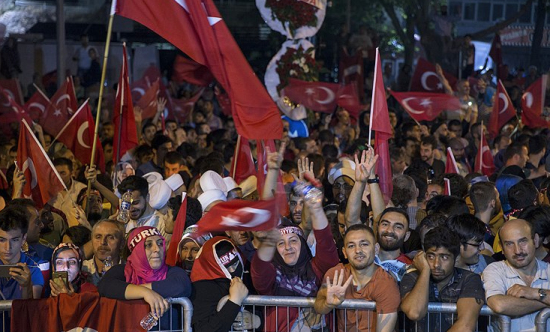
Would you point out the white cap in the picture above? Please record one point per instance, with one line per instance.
(209, 196)
(174, 181)
(159, 191)
(211, 180)
(230, 183)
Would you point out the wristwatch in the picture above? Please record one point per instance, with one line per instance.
(375, 180)
(542, 294)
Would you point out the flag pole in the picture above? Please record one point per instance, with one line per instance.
(101, 86)
(481, 149)
(237, 148)
(119, 137)
(373, 92)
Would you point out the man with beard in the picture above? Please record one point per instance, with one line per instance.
(519, 286)
(96, 204)
(428, 145)
(107, 243)
(457, 146)
(342, 178)
(141, 213)
(369, 282)
(296, 205)
(486, 201)
(436, 279)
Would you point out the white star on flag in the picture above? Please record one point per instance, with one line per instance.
(57, 113)
(212, 20)
(440, 85)
(310, 91)
(426, 102)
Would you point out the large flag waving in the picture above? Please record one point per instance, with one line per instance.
(426, 105)
(62, 107)
(42, 180)
(148, 102)
(425, 78)
(37, 105)
(380, 124)
(532, 103)
(503, 110)
(10, 111)
(484, 162)
(124, 121)
(186, 70)
(196, 28)
(78, 135)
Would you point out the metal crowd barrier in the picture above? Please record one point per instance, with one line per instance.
(178, 318)
(542, 319)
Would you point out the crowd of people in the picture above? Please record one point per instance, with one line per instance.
(484, 240)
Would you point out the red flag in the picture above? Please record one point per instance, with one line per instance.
(124, 114)
(223, 100)
(10, 110)
(380, 123)
(72, 101)
(425, 78)
(318, 96)
(179, 228)
(196, 28)
(37, 105)
(351, 70)
(239, 214)
(503, 110)
(60, 110)
(242, 165)
(184, 107)
(78, 312)
(532, 103)
(148, 102)
(484, 158)
(447, 190)
(186, 70)
(426, 105)
(496, 52)
(349, 100)
(43, 181)
(450, 164)
(13, 88)
(139, 87)
(78, 135)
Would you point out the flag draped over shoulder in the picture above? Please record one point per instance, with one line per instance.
(42, 180)
(380, 124)
(197, 29)
(124, 121)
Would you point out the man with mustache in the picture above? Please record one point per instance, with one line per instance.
(436, 279)
(107, 243)
(519, 286)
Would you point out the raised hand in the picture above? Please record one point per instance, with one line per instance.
(305, 167)
(275, 159)
(336, 292)
(421, 262)
(365, 168)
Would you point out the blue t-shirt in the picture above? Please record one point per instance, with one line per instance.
(11, 288)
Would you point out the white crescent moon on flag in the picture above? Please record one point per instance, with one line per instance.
(41, 107)
(80, 132)
(410, 109)
(10, 95)
(139, 90)
(424, 78)
(485, 148)
(260, 216)
(30, 165)
(63, 97)
(330, 96)
(505, 100)
(528, 99)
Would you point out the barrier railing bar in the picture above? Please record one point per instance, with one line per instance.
(542, 319)
(187, 311)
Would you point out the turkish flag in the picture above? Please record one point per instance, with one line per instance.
(425, 78)
(42, 180)
(184, 107)
(473, 86)
(62, 107)
(450, 164)
(317, 96)
(484, 162)
(426, 106)
(13, 88)
(124, 114)
(78, 312)
(37, 105)
(349, 100)
(179, 228)
(242, 165)
(240, 215)
(139, 87)
(447, 190)
(223, 100)
(10, 110)
(532, 103)
(148, 102)
(351, 69)
(78, 135)
(380, 123)
(196, 28)
(186, 70)
(503, 110)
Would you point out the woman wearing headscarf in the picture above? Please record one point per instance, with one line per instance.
(145, 274)
(217, 272)
(285, 267)
(67, 257)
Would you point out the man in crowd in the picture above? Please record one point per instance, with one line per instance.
(436, 279)
(360, 279)
(519, 286)
(515, 159)
(486, 201)
(141, 213)
(66, 199)
(428, 145)
(107, 242)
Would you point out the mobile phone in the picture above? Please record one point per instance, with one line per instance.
(5, 270)
(60, 278)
